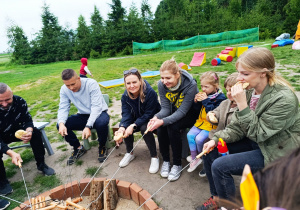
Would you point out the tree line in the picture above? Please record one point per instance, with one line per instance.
(172, 20)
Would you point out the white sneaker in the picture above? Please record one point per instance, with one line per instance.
(126, 159)
(194, 164)
(165, 169)
(174, 174)
(154, 166)
(189, 159)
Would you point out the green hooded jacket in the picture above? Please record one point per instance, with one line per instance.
(274, 124)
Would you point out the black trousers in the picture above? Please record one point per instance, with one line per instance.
(36, 144)
(149, 139)
(171, 134)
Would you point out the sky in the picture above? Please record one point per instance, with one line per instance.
(27, 13)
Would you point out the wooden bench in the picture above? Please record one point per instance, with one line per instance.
(47, 145)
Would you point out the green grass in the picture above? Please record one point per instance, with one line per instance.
(91, 171)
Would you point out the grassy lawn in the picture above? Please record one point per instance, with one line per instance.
(39, 85)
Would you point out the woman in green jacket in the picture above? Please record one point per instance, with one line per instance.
(268, 114)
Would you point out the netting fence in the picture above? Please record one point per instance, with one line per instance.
(199, 41)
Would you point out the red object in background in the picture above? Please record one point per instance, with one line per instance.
(274, 45)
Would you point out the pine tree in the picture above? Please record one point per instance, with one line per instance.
(19, 43)
(82, 41)
(97, 31)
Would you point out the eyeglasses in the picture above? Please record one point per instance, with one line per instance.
(133, 71)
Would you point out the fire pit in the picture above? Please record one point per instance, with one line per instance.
(118, 195)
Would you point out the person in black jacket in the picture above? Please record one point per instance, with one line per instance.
(139, 104)
(14, 116)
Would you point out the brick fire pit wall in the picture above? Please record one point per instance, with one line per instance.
(126, 190)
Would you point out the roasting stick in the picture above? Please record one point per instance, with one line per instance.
(88, 206)
(20, 166)
(13, 200)
(197, 157)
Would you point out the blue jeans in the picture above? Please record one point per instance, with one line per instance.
(78, 122)
(219, 170)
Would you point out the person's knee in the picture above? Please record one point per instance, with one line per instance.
(218, 166)
(190, 137)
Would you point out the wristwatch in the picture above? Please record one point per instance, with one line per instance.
(134, 126)
(88, 126)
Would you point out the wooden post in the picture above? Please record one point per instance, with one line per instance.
(110, 195)
(96, 189)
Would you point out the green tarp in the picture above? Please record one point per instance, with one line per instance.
(200, 41)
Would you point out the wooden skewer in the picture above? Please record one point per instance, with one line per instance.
(43, 202)
(19, 163)
(48, 207)
(37, 205)
(148, 129)
(61, 207)
(74, 204)
(33, 203)
(76, 200)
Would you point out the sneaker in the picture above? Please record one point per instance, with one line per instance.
(165, 169)
(154, 167)
(102, 154)
(175, 173)
(189, 159)
(76, 154)
(209, 204)
(4, 204)
(5, 188)
(194, 164)
(202, 173)
(126, 159)
(46, 170)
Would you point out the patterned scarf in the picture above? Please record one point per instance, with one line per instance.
(215, 95)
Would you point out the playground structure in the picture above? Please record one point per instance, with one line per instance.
(119, 82)
(282, 43)
(199, 59)
(184, 66)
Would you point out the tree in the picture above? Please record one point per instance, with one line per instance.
(115, 33)
(97, 31)
(292, 10)
(19, 43)
(82, 41)
(147, 18)
(50, 38)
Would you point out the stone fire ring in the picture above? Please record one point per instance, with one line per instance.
(126, 190)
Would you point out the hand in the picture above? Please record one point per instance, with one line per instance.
(128, 131)
(86, 133)
(118, 132)
(239, 96)
(15, 157)
(200, 96)
(155, 123)
(27, 136)
(150, 123)
(92, 75)
(208, 146)
(62, 130)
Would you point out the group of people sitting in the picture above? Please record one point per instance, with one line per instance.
(259, 124)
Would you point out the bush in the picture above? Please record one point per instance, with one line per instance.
(94, 54)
